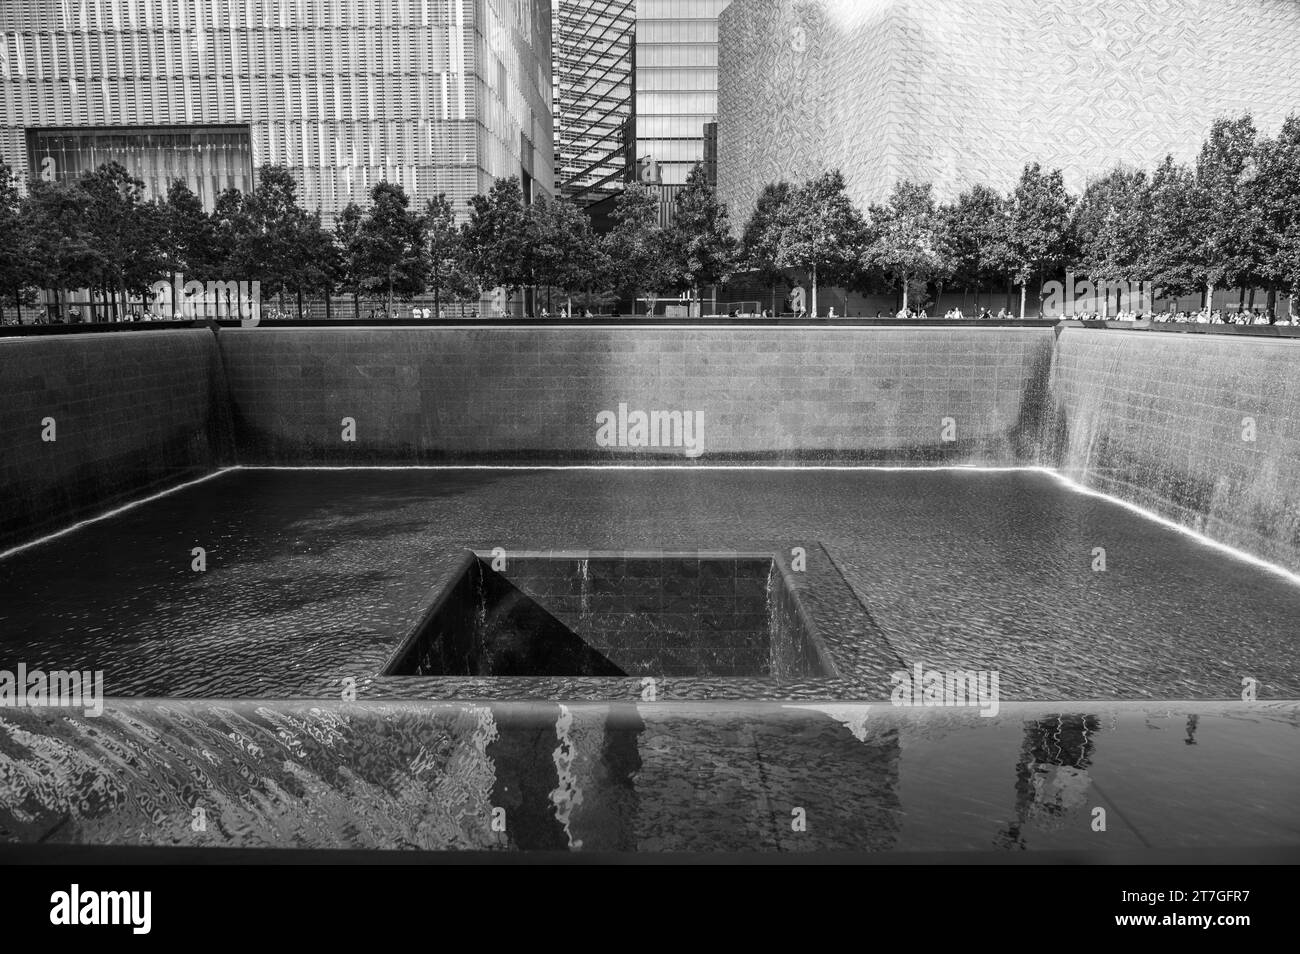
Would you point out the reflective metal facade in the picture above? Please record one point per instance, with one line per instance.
(959, 93)
(593, 43)
(439, 95)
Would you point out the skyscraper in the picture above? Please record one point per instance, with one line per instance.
(676, 85)
(636, 85)
(593, 43)
(437, 95)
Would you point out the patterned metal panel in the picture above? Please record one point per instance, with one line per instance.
(439, 95)
(960, 93)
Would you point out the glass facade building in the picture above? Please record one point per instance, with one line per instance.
(593, 90)
(676, 85)
(636, 86)
(437, 95)
(209, 159)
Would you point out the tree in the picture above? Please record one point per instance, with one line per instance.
(1109, 225)
(637, 248)
(190, 239)
(1279, 205)
(265, 231)
(124, 232)
(1172, 245)
(318, 263)
(230, 227)
(16, 253)
(1232, 244)
(563, 247)
(63, 251)
(761, 241)
(392, 245)
(700, 242)
(448, 277)
(1034, 233)
(821, 232)
(909, 244)
(347, 239)
(970, 226)
(496, 238)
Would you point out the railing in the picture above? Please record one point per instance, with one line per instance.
(607, 321)
(600, 321)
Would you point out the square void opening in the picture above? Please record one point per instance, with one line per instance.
(598, 615)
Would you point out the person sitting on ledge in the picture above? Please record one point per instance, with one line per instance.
(831, 312)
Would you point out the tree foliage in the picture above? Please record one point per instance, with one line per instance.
(909, 243)
(700, 244)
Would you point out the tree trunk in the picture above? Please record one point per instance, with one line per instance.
(904, 308)
(356, 306)
(1209, 297)
(328, 312)
(437, 304)
(1024, 290)
(299, 291)
(814, 290)
(1272, 306)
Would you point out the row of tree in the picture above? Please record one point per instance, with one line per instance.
(100, 232)
(1232, 219)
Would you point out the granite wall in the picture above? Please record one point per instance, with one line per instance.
(1203, 429)
(132, 413)
(818, 394)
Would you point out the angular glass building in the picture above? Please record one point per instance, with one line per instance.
(593, 87)
(636, 87)
(437, 95)
(957, 93)
(676, 85)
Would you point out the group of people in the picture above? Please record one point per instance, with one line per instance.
(1204, 317)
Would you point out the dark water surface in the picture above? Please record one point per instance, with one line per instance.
(314, 577)
(667, 777)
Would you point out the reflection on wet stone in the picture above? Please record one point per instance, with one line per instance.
(1052, 778)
